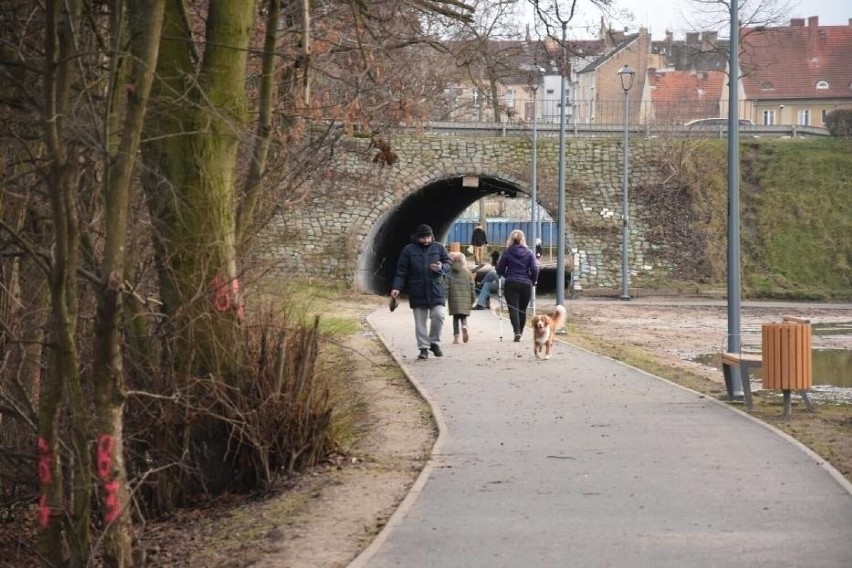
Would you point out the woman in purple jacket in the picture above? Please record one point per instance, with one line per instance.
(518, 266)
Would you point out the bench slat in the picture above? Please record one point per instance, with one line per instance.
(750, 359)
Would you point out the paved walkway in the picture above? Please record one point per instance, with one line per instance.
(581, 461)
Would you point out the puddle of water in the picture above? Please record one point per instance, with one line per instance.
(838, 328)
(832, 367)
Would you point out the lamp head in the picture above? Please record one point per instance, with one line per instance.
(626, 75)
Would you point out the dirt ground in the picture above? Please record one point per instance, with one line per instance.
(325, 518)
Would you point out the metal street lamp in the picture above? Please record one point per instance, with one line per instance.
(536, 74)
(560, 202)
(626, 75)
(735, 387)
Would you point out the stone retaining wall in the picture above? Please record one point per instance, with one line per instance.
(324, 238)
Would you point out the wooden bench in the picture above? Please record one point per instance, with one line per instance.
(744, 362)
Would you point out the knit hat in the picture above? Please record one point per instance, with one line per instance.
(423, 231)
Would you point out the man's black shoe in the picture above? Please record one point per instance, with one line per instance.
(436, 349)
(424, 354)
(478, 307)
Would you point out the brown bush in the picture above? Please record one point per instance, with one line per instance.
(839, 122)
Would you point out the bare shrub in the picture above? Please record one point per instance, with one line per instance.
(839, 122)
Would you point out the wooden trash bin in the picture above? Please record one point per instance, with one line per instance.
(787, 361)
(455, 247)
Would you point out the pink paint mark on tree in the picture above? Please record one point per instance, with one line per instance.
(106, 445)
(225, 298)
(45, 478)
(106, 450)
(43, 511)
(238, 302)
(221, 294)
(111, 504)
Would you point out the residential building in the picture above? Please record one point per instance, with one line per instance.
(673, 98)
(598, 91)
(796, 74)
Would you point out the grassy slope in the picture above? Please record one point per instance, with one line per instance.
(797, 218)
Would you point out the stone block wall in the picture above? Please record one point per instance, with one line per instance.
(324, 237)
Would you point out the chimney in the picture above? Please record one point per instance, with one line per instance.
(797, 23)
(709, 40)
(691, 38)
(670, 35)
(813, 33)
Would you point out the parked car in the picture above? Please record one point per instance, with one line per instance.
(715, 123)
(710, 126)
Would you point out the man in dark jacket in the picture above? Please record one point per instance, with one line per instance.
(478, 240)
(420, 271)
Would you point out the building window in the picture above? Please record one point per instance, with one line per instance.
(822, 115)
(549, 91)
(805, 117)
(769, 117)
(822, 85)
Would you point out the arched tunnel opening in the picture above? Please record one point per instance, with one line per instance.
(437, 204)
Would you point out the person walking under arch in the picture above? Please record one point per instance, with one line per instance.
(518, 266)
(420, 271)
(478, 240)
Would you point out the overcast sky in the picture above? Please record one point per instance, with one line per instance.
(660, 15)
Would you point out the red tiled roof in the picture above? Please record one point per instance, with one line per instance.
(788, 62)
(681, 96)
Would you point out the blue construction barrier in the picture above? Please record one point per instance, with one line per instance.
(498, 232)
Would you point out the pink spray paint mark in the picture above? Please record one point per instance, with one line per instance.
(43, 511)
(45, 477)
(106, 448)
(111, 501)
(106, 445)
(221, 294)
(241, 309)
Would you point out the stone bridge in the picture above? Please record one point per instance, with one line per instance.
(362, 212)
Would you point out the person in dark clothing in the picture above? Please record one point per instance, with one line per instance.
(518, 266)
(420, 271)
(478, 240)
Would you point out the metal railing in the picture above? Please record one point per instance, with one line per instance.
(605, 130)
(476, 116)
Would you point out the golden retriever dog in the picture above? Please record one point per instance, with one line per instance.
(544, 331)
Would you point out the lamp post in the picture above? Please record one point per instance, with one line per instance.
(560, 206)
(735, 385)
(626, 75)
(534, 83)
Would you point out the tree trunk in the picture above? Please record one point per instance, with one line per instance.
(145, 21)
(194, 127)
(195, 136)
(248, 205)
(63, 18)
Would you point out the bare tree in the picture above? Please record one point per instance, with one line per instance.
(89, 86)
